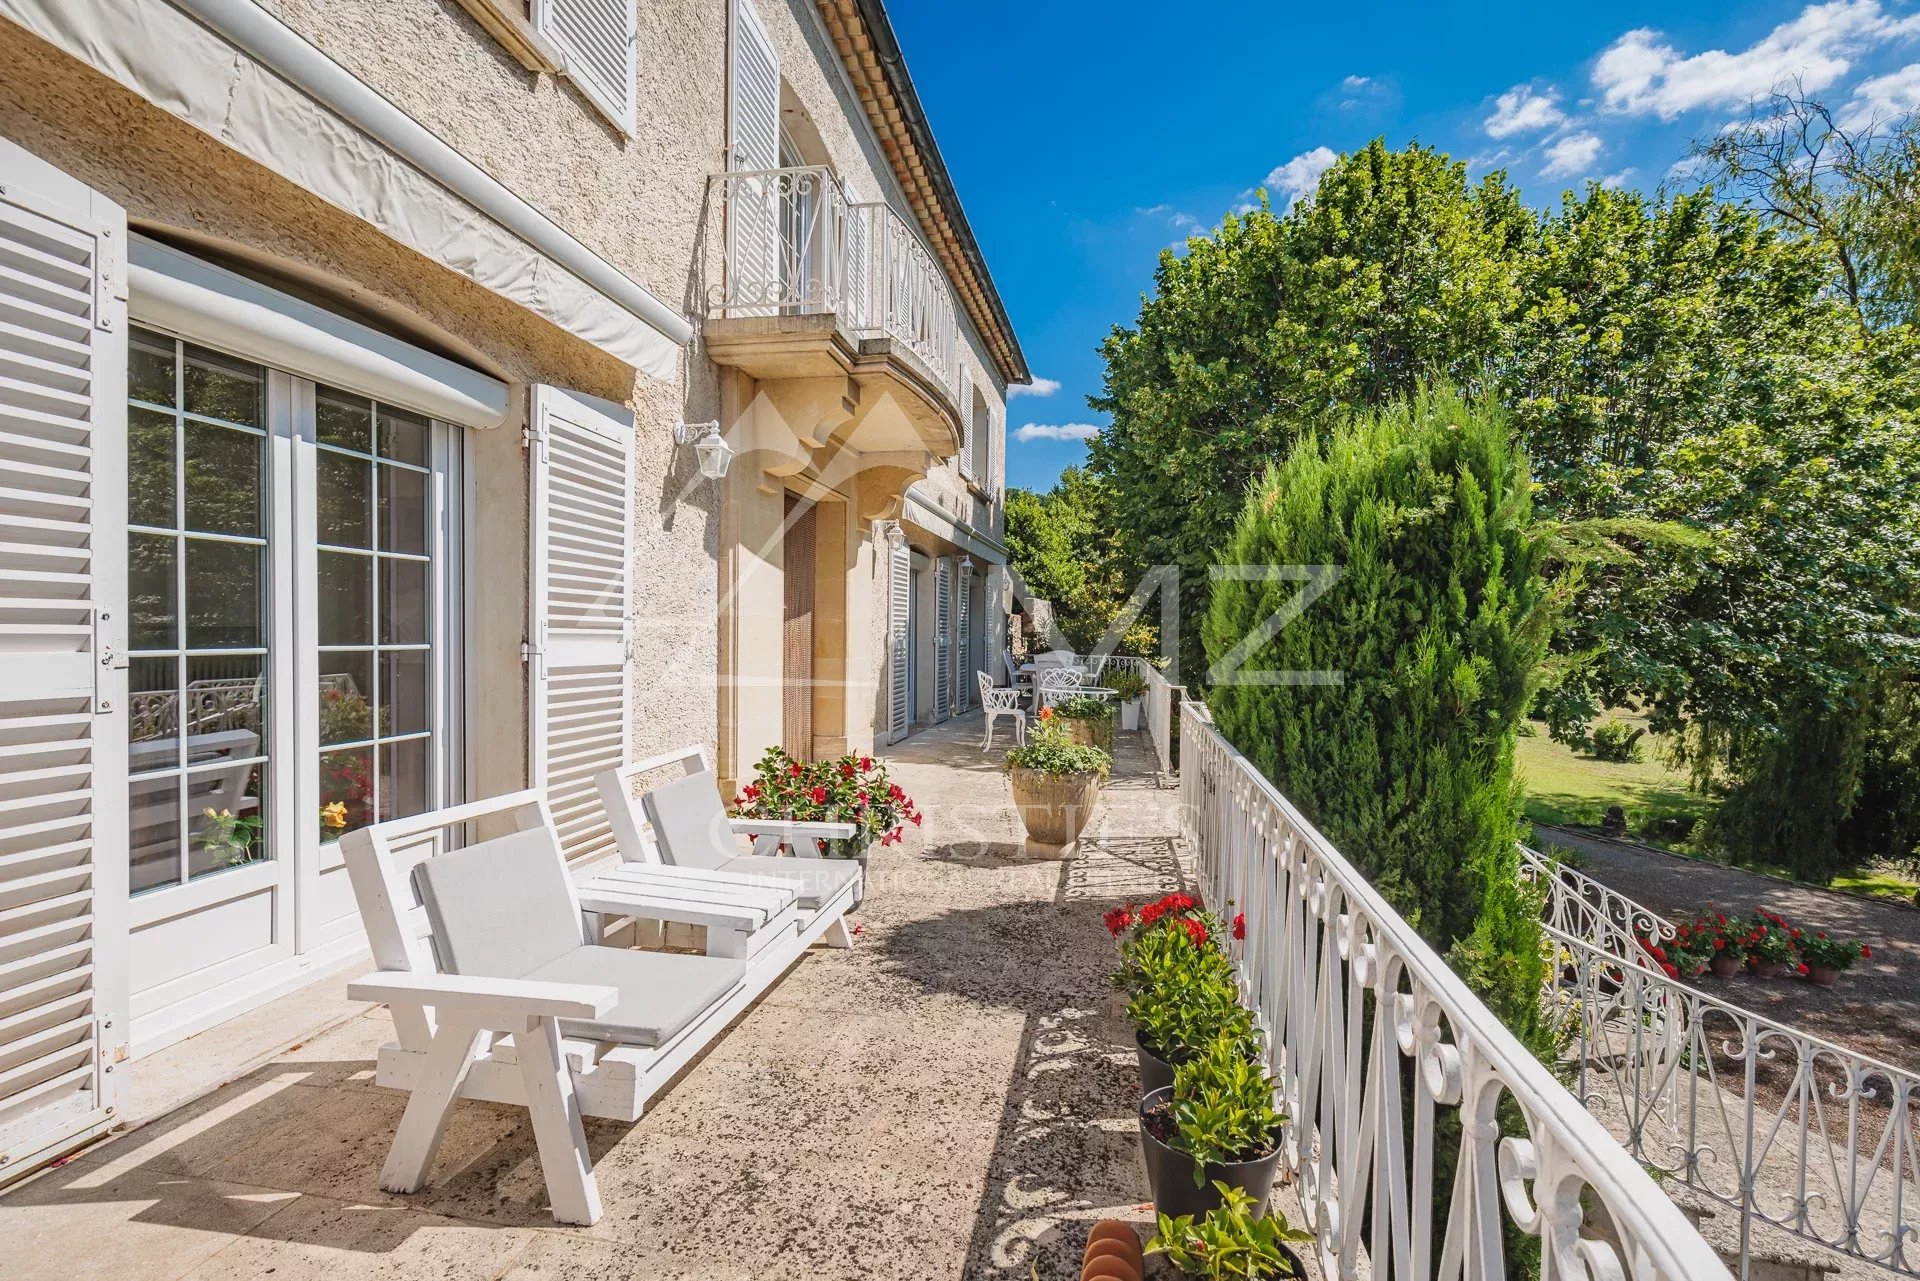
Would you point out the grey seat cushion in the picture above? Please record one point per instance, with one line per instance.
(689, 822)
(660, 992)
(501, 908)
(819, 879)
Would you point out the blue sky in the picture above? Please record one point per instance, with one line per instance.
(1084, 138)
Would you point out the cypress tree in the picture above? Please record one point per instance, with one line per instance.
(1388, 708)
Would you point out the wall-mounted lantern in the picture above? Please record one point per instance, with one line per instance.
(714, 452)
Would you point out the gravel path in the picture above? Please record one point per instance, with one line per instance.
(1875, 1009)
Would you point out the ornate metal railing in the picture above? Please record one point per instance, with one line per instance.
(796, 245)
(1579, 906)
(1355, 1003)
(1783, 1127)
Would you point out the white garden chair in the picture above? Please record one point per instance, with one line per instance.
(998, 702)
(1058, 683)
(497, 991)
(1019, 681)
(679, 840)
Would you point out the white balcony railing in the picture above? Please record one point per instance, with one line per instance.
(1353, 1003)
(797, 246)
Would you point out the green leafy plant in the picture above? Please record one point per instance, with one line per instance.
(1231, 1243)
(1126, 684)
(1182, 995)
(1616, 741)
(1223, 1106)
(845, 789)
(1048, 750)
(1084, 707)
(1817, 952)
(1768, 938)
(229, 838)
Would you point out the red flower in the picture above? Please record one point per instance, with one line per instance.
(1658, 954)
(794, 769)
(1865, 951)
(1118, 919)
(1819, 934)
(1672, 973)
(1719, 945)
(1794, 933)
(1240, 925)
(818, 796)
(891, 838)
(866, 763)
(1151, 913)
(1721, 917)
(846, 768)
(750, 791)
(916, 819)
(1195, 931)
(893, 790)
(1800, 968)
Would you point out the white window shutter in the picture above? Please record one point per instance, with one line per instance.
(597, 41)
(63, 731)
(899, 630)
(753, 145)
(943, 639)
(966, 422)
(580, 630)
(963, 666)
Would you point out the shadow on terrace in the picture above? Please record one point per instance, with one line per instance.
(951, 1098)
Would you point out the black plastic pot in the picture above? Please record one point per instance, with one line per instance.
(1170, 1172)
(1155, 1072)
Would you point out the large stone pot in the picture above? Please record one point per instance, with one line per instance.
(1089, 733)
(1054, 807)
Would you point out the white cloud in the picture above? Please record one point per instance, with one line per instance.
(1522, 109)
(1353, 84)
(1186, 224)
(1056, 431)
(1882, 98)
(1617, 180)
(1038, 387)
(1570, 156)
(1154, 211)
(1640, 72)
(1299, 175)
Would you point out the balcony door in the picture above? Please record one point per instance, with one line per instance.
(286, 551)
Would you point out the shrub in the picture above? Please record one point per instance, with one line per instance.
(1232, 1243)
(1084, 707)
(1438, 625)
(1126, 684)
(1050, 751)
(1182, 995)
(1616, 741)
(1223, 1106)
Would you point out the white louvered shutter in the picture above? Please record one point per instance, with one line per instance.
(579, 652)
(943, 638)
(856, 306)
(753, 204)
(899, 637)
(966, 422)
(963, 666)
(63, 733)
(596, 41)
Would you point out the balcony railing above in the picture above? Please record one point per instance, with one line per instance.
(797, 246)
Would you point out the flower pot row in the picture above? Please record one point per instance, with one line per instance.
(1210, 1136)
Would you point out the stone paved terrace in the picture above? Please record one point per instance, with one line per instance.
(951, 1098)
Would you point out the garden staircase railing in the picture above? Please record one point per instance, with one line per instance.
(1782, 1127)
(1354, 1004)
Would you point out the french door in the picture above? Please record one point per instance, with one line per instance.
(288, 664)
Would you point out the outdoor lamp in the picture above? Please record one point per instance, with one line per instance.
(715, 454)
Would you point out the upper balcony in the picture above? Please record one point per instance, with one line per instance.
(817, 285)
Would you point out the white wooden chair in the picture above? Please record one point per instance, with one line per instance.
(498, 992)
(998, 702)
(678, 840)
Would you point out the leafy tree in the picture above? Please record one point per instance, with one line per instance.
(1436, 629)
(1062, 545)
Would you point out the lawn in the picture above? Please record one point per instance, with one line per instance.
(1568, 789)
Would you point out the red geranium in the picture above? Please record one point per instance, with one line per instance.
(1240, 925)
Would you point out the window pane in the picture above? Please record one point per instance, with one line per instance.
(403, 602)
(346, 696)
(226, 595)
(405, 778)
(153, 832)
(226, 707)
(226, 817)
(225, 387)
(406, 697)
(344, 485)
(346, 599)
(151, 592)
(344, 419)
(403, 436)
(403, 511)
(150, 367)
(150, 468)
(346, 792)
(153, 714)
(224, 485)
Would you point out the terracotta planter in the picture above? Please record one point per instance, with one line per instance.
(1764, 969)
(1823, 975)
(1725, 966)
(1170, 1171)
(1113, 1253)
(1155, 1072)
(1055, 808)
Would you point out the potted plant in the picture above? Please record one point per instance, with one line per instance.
(1216, 1124)
(1087, 719)
(1128, 688)
(1056, 782)
(1180, 986)
(1768, 946)
(844, 789)
(1232, 1242)
(1706, 935)
(1822, 958)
